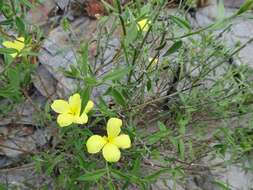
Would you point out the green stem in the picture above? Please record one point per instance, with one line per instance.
(121, 18)
(13, 6)
(137, 50)
(108, 172)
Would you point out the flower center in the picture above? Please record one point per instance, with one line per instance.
(73, 111)
(108, 139)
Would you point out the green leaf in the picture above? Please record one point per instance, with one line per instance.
(221, 185)
(149, 84)
(85, 94)
(136, 170)
(123, 175)
(162, 127)
(221, 10)
(2, 187)
(181, 148)
(247, 5)
(27, 3)
(132, 33)
(116, 74)
(161, 46)
(65, 24)
(104, 109)
(111, 186)
(158, 136)
(157, 174)
(6, 22)
(85, 62)
(117, 96)
(14, 77)
(91, 81)
(108, 6)
(176, 46)
(20, 25)
(181, 22)
(1, 4)
(92, 176)
(7, 50)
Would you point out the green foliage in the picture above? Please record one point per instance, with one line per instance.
(165, 78)
(167, 84)
(16, 71)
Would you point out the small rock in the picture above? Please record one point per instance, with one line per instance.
(233, 3)
(39, 15)
(17, 141)
(58, 54)
(24, 178)
(63, 4)
(23, 113)
(44, 82)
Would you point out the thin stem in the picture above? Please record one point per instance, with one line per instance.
(121, 18)
(108, 172)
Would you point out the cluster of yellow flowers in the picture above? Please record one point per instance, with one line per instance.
(70, 112)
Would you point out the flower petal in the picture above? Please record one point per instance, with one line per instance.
(113, 127)
(95, 143)
(122, 141)
(82, 119)
(75, 103)
(17, 44)
(10, 44)
(143, 25)
(111, 153)
(60, 106)
(88, 106)
(65, 119)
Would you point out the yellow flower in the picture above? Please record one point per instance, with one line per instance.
(154, 62)
(144, 25)
(110, 145)
(69, 112)
(17, 45)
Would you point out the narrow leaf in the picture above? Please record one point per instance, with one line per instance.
(116, 74)
(27, 3)
(92, 176)
(177, 45)
(118, 97)
(181, 22)
(7, 50)
(247, 5)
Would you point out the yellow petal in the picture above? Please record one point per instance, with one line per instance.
(89, 106)
(155, 60)
(95, 143)
(75, 104)
(144, 25)
(113, 127)
(82, 119)
(17, 44)
(65, 119)
(122, 141)
(9, 44)
(60, 106)
(111, 153)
